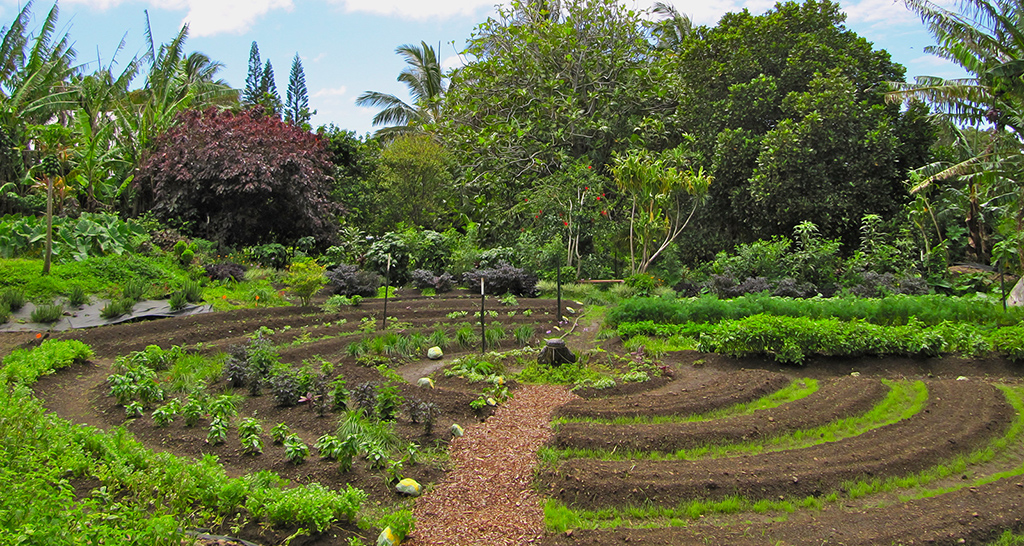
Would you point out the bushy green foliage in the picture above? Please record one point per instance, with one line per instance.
(25, 366)
(313, 505)
(891, 310)
(791, 339)
(89, 235)
(47, 313)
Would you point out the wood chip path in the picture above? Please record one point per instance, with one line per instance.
(488, 498)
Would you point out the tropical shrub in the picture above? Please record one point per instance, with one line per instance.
(349, 280)
(239, 179)
(503, 279)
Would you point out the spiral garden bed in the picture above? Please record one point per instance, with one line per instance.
(628, 462)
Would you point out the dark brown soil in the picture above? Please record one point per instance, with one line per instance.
(685, 398)
(974, 515)
(960, 416)
(835, 399)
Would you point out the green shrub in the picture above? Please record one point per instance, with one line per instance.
(47, 313)
(1009, 342)
(305, 278)
(310, 505)
(134, 289)
(25, 366)
(77, 296)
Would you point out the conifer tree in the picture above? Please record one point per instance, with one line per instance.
(269, 97)
(296, 107)
(253, 78)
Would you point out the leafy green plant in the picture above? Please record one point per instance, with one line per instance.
(13, 297)
(114, 308)
(193, 291)
(134, 289)
(223, 407)
(305, 278)
(509, 300)
(389, 399)
(279, 433)
(25, 366)
(192, 411)
(133, 409)
(465, 335)
(295, 450)
(523, 334)
(218, 433)
(47, 313)
(164, 415)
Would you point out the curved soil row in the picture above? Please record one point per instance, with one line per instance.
(960, 416)
(232, 327)
(835, 399)
(720, 392)
(974, 515)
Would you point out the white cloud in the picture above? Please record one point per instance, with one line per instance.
(206, 17)
(331, 92)
(211, 17)
(416, 9)
(455, 61)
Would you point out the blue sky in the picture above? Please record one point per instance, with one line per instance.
(347, 46)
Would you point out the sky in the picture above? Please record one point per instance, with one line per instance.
(347, 47)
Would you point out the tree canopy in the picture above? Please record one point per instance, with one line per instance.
(240, 179)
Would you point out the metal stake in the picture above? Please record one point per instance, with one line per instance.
(483, 331)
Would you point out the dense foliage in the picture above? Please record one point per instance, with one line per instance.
(239, 179)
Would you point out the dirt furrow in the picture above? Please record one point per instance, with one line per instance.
(960, 416)
(488, 498)
(834, 400)
(973, 515)
(724, 391)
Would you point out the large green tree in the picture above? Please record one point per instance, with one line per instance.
(546, 92)
(786, 109)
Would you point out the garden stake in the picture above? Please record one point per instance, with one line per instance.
(558, 291)
(387, 288)
(483, 336)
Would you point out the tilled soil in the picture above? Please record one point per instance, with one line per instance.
(960, 416)
(720, 391)
(972, 515)
(835, 399)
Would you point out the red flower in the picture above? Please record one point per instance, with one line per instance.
(536, 216)
(566, 223)
(586, 188)
(527, 199)
(604, 212)
(589, 167)
(598, 197)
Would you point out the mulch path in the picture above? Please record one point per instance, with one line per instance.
(488, 498)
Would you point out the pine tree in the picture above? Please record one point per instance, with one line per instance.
(269, 97)
(296, 107)
(254, 78)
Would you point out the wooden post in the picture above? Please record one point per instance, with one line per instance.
(49, 225)
(387, 288)
(558, 291)
(483, 331)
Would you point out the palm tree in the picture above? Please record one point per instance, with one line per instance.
(672, 29)
(425, 81)
(984, 38)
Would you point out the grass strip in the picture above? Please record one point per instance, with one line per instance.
(798, 389)
(559, 518)
(903, 401)
(958, 465)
